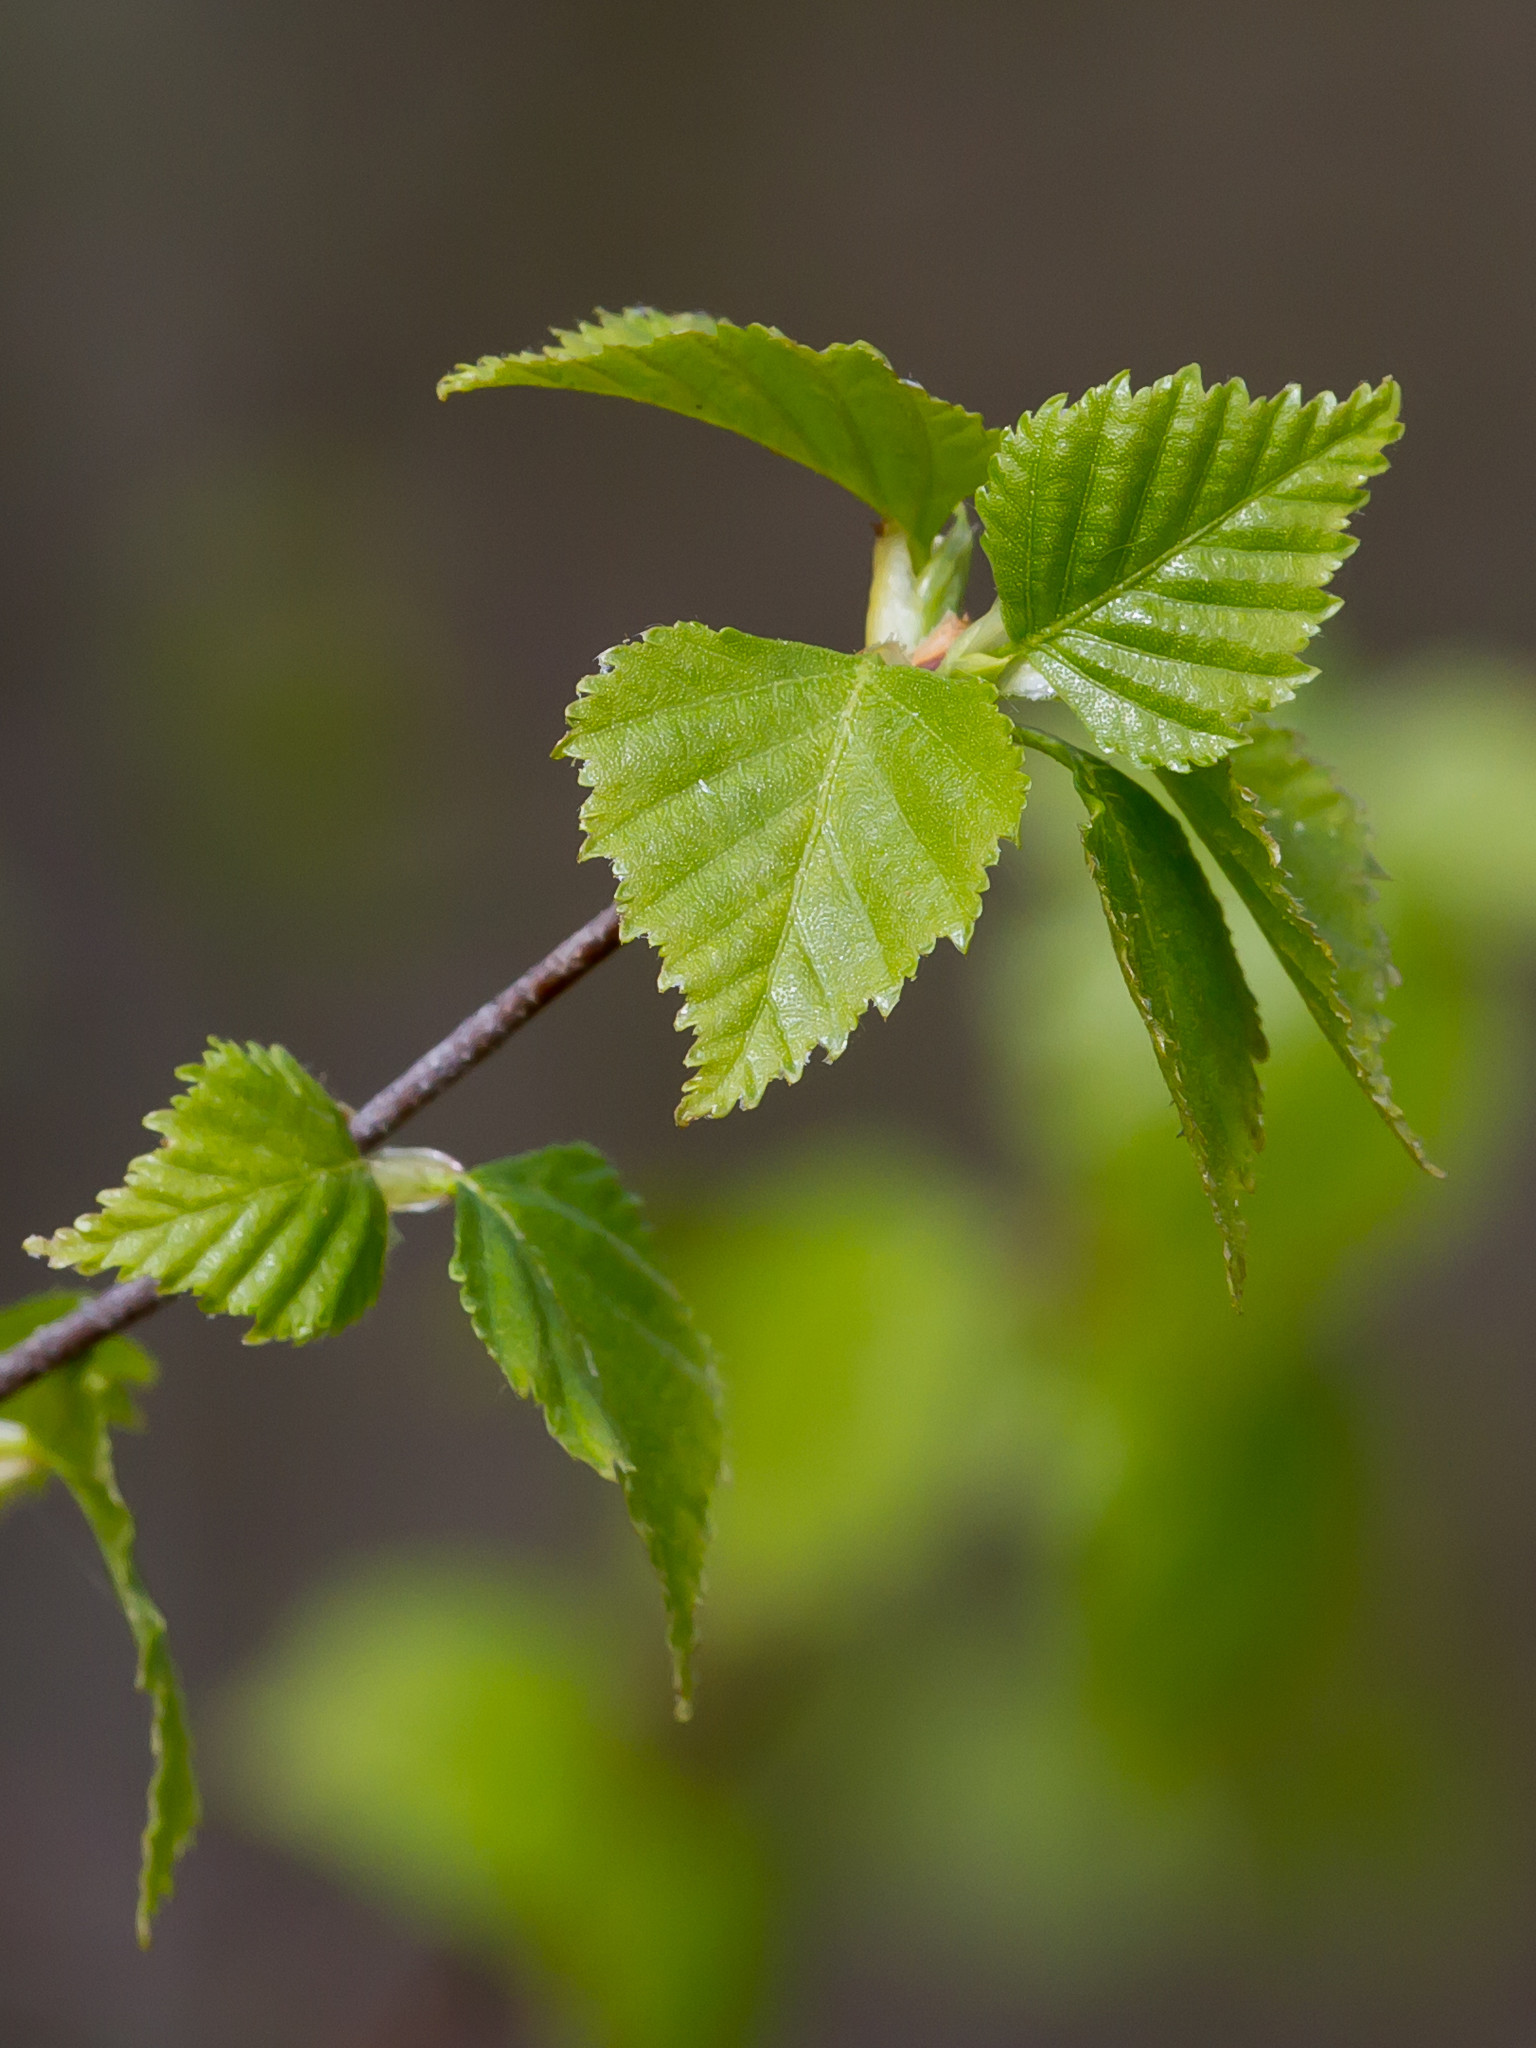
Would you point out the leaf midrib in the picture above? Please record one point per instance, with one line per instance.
(538, 1199)
(1191, 539)
(253, 1188)
(818, 820)
(496, 1203)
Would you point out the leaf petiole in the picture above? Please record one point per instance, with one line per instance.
(1061, 751)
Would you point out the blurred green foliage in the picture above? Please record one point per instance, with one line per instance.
(439, 1735)
(1060, 1618)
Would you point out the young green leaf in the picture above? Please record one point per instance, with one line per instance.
(257, 1202)
(841, 411)
(551, 1256)
(792, 828)
(1176, 955)
(1296, 848)
(1161, 555)
(61, 1425)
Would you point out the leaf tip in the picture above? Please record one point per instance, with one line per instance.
(683, 1642)
(1415, 1148)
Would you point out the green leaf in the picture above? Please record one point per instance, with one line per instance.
(841, 411)
(1161, 556)
(1176, 955)
(792, 828)
(257, 1202)
(551, 1256)
(414, 1178)
(1296, 848)
(66, 1419)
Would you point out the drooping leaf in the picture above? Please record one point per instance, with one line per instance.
(551, 1256)
(61, 1424)
(1162, 555)
(1296, 848)
(841, 411)
(257, 1202)
(792, 828)
(1176, 955)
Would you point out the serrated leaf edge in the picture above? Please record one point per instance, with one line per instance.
(633, 925)
(1232, 1224)
(589, 341)
(1362, 1060)
(76, 1247)
(1223, 735)
(682, 1624)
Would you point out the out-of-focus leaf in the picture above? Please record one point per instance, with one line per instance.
(61, 1424)
(842, 411)
(1450, 772)
(1218, 1579)
(433, 1732)
(1296, 848)
(792, 828)
(257, 1202)
(554, 1265)
(1162, 555)
(1176, 955)
(861, 1308)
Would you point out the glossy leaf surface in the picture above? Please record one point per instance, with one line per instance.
(792, 828)
(1176, 955)
(67, 1419)
(1296, 848)
(552, 1259)
(1162, 555)
(257, 1201)
(842, 411)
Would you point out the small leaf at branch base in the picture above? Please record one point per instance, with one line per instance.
(67, 1418)
(257, 1202)
(22, 1468)
(841, 411)
(1176, 955)
(1162, 555)
(793, 829)
(414, 1178)
(551, 1256)
(1296, 848)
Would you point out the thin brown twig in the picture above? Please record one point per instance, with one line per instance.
(64, 1339)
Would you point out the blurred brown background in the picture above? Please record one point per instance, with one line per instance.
(240, 243)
